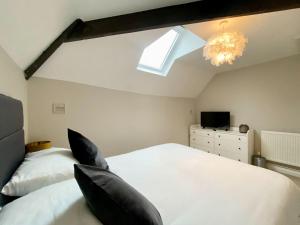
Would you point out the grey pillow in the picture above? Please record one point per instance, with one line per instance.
(112, 200)
(85, 151)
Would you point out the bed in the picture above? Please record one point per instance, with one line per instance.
(12, 148)
(188, 186)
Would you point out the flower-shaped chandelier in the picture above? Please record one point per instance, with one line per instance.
(225, 47)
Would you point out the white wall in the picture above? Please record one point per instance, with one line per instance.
(116, 121)
(13, 83)
(265, 96)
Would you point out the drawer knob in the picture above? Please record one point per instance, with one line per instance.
(219, 154)
(239, 160)
(239, 139)
(219, 144)
(208, 142)
(239, 148)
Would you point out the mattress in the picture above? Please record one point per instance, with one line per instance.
(188, 187)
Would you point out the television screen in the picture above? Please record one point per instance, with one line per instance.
(215, 119)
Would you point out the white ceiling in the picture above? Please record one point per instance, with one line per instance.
(110, 62)
(28, 27)
(270, 36)
(95, 9)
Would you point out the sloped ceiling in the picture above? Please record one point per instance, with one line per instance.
(28, 27)
(95, 9)
(111, 62)
(270, 36)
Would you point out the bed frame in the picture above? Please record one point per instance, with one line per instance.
(12, 146)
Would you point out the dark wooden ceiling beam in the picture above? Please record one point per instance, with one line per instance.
(199, 11)
(194, 12)
(51, 49)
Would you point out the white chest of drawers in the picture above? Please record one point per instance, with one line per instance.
(230, 144)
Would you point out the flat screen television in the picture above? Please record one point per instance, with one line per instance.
(220, 120)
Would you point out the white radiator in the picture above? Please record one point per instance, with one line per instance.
(281, 147)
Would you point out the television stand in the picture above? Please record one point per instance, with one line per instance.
(230, 143)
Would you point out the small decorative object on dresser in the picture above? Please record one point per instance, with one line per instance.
(244, 128)
(37, 146)
(230, 144)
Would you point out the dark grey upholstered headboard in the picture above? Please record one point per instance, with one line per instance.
(12, 146)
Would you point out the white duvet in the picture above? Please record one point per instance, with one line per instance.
(188, 187)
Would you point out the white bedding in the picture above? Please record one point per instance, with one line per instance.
(188, 187)
(40, 169)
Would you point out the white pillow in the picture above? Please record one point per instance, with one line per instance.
(40, 169)
(58, 204)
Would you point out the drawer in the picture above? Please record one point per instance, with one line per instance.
(230, 146)
(202, 139)
(219, 153)
(240, 156)
(206, 140)
(219, 149)
(241, 139)
(230, 137)
(202, 143)
(196, 145)
(193, 132)
(223, 136)
(194, 138)
(230, 150)
(204, 133)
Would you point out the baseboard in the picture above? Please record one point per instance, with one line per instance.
(283, 170)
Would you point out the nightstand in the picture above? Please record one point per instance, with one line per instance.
(37, 146)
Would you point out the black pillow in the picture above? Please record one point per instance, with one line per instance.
(85, 151)
(112, 200)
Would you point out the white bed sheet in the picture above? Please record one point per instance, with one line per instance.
(188, 186)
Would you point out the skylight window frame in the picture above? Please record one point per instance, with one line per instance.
(167, 59)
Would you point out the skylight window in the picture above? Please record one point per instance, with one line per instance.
(155, 56)
(158, 57)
